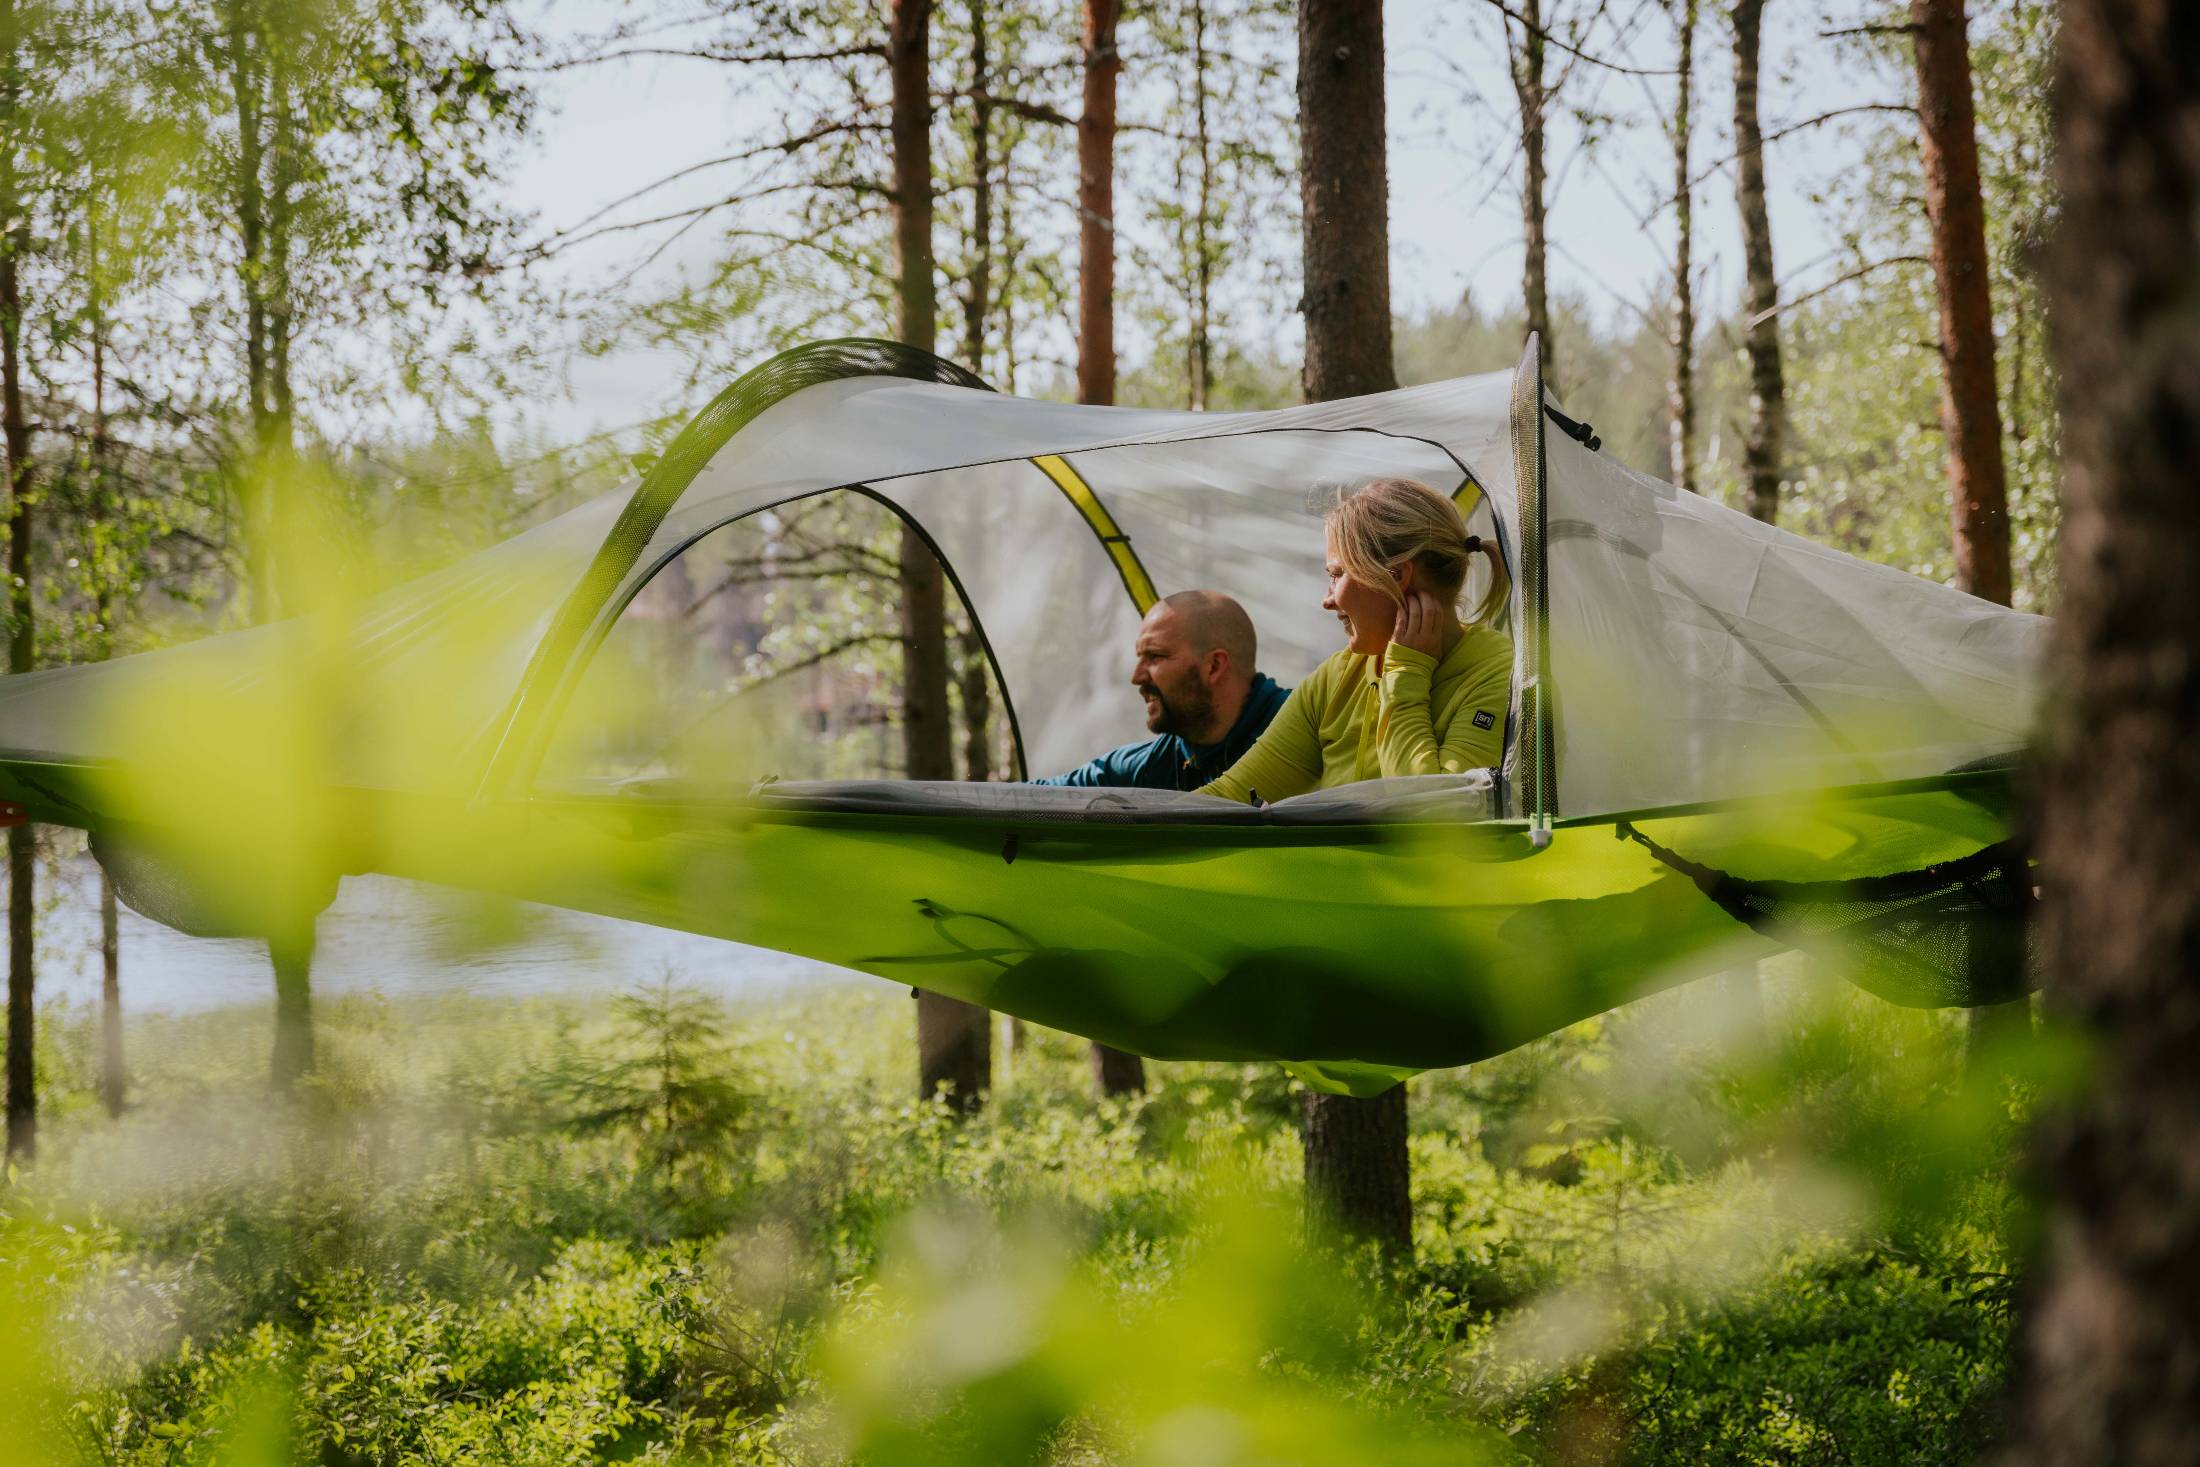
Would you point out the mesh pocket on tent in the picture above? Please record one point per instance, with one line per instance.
(1956, 934)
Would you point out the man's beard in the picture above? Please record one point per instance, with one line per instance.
(1189, 709)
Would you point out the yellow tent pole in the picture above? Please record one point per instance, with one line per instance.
(1118, 544)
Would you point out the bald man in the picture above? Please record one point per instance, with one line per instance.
(1204, 700)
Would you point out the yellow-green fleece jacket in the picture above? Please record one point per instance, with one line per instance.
(1368, 717)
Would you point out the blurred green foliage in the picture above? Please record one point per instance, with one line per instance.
(1749, 1221)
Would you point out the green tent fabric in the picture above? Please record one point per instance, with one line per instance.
(1724, 739)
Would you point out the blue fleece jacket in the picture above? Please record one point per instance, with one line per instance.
(1170, 763)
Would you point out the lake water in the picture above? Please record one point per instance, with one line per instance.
(395, 938)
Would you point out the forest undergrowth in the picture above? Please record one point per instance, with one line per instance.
(1753, 1220)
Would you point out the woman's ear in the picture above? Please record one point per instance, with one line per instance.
(1405, 578)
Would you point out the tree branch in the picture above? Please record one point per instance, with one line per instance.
(1790, 130)
(565, 240)
(1575, 51)
(1029, 111)
(1869, 30)
(784, 145)
(1834, 284)
(824, 654)
(706, 53)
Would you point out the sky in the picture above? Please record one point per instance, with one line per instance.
(1455, 223)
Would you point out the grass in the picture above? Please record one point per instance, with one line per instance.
(662, 1229)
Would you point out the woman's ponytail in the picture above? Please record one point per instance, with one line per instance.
(1387, 524)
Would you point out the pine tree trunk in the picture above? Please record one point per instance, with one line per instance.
(291, 955)
(1096, 206)
(1112, 1069)
(22, 996)
(1761, 447)
(15, 428)
(114, 1078)
(260, 99)
(1529, 87)
(1117, 1072)
(2113, 1342)
(242, 34)
(1357, 1173)
(1970, 411)
(909, 50)
(977, 709)
(1346, 197)
(954, 1051)
(978, 300)
(1681, 390)
(1202, 325)
(954, 1039)
(1358, 1181)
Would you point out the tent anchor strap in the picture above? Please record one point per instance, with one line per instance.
(1575, 429)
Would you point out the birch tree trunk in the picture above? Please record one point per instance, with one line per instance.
(1529, 87)
(1681, 390)
(1761, 445)
(1357, 1171)
(2113, 1343)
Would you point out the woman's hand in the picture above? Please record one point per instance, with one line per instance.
(1425, 626)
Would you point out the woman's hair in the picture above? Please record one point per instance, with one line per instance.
(1386, 524)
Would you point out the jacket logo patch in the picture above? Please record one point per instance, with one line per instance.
(1483, 718)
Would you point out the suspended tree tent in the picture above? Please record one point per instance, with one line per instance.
(1724, 739)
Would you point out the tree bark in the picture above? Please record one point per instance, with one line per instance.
(1358, 1182)
(1357, 1172)
(1346, 197)
(22, 996)
(1096, 206)
(243, 35)
(909, 51)
(1970, 411)
(954, 1039)
(954, 1051)
(2113, 1343)
(1117, 1072)
(977, 709)
(15, 428)
(1529, 88)
(1761, 446)
(978, 299)
(1113, 1070)
(1201, 345)
(291, 955)
(114, 1077)
(1681, 390)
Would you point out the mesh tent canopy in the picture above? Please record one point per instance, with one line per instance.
(1671, 656)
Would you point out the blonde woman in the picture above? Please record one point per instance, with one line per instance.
(1415, 690)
